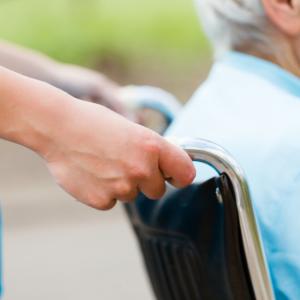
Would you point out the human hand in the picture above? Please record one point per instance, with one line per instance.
(90, 85)
(98, 156)
(94, 154)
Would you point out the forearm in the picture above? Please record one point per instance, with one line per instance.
(30, 110)
(76, 81)
(28, 62)
(38, 66)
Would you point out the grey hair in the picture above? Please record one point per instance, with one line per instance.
(236, 24)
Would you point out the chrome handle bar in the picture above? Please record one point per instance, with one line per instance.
(221, 161)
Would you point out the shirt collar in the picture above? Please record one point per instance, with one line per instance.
(269, 71)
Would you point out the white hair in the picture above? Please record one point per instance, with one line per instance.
(235, 24)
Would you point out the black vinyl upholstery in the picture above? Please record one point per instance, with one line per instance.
(191, 243)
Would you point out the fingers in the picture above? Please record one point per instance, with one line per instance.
(176, 165)
(101, 200)
(106, 205)
(127, 194)
(154, 187)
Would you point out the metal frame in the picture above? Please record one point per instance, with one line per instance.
(216, 157)
(162, 102)
(211, 154)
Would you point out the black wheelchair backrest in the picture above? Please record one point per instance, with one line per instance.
(202, 242)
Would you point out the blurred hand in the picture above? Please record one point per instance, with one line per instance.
(90, 85)
(98, 156)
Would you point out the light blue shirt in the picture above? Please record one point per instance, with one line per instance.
(251, 107)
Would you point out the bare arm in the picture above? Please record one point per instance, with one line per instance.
(94, 154)
(77, 81)
(27, 62)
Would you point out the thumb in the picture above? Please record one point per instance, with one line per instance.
(176, 165)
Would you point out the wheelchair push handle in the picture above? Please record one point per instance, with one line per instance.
(222, 162)
(139, 98)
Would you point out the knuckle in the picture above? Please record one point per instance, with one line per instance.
(124, 188)
(101, 203)
(109, 205)
(149, 141)
(140, 172)
(157, 191)
(138, 169)
(152, 146)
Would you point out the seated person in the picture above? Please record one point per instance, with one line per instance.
(250, 104)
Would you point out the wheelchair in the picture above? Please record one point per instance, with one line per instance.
(201, 242)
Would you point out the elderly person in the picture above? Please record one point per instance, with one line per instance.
(250, 104)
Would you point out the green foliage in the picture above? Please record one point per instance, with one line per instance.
(87, 31)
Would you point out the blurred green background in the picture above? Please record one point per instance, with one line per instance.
(155, 42)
